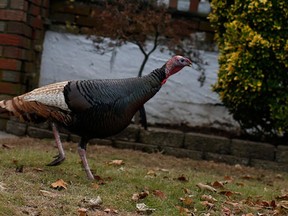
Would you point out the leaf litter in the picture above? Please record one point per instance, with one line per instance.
(227, 196)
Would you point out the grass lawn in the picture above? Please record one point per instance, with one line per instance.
(131, 183)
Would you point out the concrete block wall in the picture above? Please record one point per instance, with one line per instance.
(196, 146)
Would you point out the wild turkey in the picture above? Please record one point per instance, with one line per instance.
(90, 108)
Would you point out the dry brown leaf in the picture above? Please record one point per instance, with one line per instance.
(218, 184)
(229, 178)
(240, 184)
(187, 201)
(116, 162)
(110, 211)
(283, 197)
(95, 186)
(141, 195)
(206, 187)
(247, 177)
(227, 193)
(183, 210)
(151, 173)
(207, 204)
(208, 198)
(7, 146)
(82, 212)
(59, 184)
(187, 191)
(2, 186)
(159, 194)
(38, 169)
(48, 193)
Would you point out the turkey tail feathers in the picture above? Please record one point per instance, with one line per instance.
(33, 111)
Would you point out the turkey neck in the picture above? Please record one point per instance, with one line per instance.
(151, 84)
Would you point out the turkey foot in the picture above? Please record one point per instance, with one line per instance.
(61, 156)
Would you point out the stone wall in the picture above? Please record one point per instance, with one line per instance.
(196, 146)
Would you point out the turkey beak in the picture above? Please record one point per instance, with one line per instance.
(189, 63)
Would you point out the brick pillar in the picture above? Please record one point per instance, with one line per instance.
(193, 5)
(21, 39)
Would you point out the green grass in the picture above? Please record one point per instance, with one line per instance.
(250, 189)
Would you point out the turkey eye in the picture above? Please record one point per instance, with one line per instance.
(181, 60)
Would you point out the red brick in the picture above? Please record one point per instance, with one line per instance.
(37, 2)
(29, 67)
(19, 28)
(38, 35)
(1, 50)
(10, 64)
(14, 15)
(19, 4)
(15, 40)
(45, 13)
(3, 3)
(45, 3)
(10, 88)
(14, 52)
(10, 76)
(2, 26)
(36, 22)
(34, 10)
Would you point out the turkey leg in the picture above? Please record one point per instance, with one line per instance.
(82, 153)
(61, 156)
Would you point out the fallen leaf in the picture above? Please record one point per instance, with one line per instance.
(159, 194)
(282, 197)
(187, 201)
(240, 184)
(7, 146)
(82, 212)
(218, 184)
(93, 203)
(142, 208)
(141, 195)
(116, 162)
(59, 184)
(151, 173)
(95, 186)
(99, 180)
(183, 210)
(206, 187)
(38, 169)
(187, 191)
(110, 211)
(229, 178)
(48, 193)
(226, 193)
(208, 198)
(207, 204)
(2, 186)
(247, 177)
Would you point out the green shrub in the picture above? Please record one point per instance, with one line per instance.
(252, 36)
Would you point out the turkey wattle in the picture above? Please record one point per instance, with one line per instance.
(90, 108)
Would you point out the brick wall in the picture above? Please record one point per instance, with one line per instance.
(21, 39)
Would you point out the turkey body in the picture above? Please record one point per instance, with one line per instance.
(106, 107)
(90, 108)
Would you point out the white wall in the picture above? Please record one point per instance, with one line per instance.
(180, 101)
